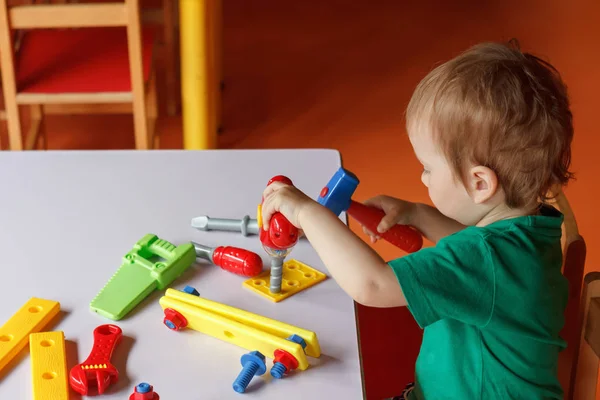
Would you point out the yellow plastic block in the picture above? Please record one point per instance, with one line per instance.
(30, 318)
(49, 377)
(242, 328)
(297, 276)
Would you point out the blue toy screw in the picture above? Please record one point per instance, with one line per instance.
(297, 339)
(253, 363)
(191, 290)
(142, 388)
(279, 369)
(169, 324)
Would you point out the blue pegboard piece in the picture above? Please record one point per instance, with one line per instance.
(337, 194)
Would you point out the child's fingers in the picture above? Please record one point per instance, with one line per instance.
(374, 202)
(272, 188)
(386, 223)
(270, 202)
(267, 210)
(371, 235)
(368, 232)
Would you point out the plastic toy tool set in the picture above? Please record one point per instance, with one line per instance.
(154, 264)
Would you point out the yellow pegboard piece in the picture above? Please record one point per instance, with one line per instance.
(49, 377)
(234, 332)
(176, 299)
(297, 277)
(30, 318)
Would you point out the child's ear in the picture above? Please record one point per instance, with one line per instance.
(483, 184)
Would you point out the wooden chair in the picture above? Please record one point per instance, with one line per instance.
(166, 16)
(587, 367)
(105, 66)
(574, 253)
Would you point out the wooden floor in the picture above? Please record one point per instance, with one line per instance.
(338, 74)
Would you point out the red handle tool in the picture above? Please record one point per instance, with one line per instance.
(233, 259)
(97, 370)
(337, 196)
(281, 236)
(403, 236)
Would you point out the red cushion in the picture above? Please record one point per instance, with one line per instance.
(83, 60)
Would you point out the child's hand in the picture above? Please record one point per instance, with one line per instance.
(396, 211)
(286, 199)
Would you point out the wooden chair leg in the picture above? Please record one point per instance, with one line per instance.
(2, 118)
(217, 55)
(587, 365)
(134, 41)
(171, 59)
(152, 111)
(33, 135)
(9, 88)
(140, 124)
(13, 122)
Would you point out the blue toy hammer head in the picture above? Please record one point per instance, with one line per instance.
(338, 193)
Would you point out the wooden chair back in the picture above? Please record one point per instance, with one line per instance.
(70, 15)
(574, 253)
(586, 371)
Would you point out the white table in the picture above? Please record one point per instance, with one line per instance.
(67, 219)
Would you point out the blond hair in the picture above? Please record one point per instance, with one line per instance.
(496, 106)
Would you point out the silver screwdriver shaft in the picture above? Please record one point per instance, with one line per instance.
(246, 225)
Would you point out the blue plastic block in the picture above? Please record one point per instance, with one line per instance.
(337, 194)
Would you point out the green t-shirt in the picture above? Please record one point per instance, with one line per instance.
(491, 301)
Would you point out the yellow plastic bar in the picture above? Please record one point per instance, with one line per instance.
(198, 79)
(30, 318)
(272, 326)
(233, 332)
(48, 366)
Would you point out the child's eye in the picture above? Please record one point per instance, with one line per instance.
(425, 171)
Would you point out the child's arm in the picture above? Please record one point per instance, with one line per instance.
(355, 266)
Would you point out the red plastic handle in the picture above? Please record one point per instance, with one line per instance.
(239, 261)
(281, 234)
(106, 338)
(405, 237)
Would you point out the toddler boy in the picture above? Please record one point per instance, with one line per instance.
(492, 129)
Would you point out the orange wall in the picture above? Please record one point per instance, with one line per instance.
(339, 75)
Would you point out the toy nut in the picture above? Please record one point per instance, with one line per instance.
(144, 391)
(174, 320)
(255, 356)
